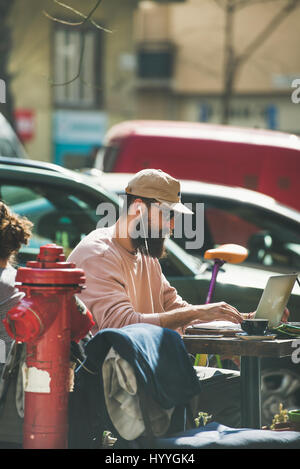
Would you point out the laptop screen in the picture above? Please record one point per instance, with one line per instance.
(275, 298)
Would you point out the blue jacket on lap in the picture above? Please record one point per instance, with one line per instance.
(162, 367)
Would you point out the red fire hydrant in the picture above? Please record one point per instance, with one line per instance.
(47, 319)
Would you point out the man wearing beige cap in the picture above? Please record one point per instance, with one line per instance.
(125, 284)
(124, 281)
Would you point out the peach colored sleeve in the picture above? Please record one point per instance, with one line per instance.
(171, 298)
(172, 301)
(105, 295)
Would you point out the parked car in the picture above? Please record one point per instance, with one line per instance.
(257, 159)
(64, 207)
(10, 144)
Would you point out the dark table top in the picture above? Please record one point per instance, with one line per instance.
(277, 348)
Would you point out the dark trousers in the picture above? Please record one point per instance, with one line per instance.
(220, 395)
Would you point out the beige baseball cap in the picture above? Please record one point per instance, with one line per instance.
(156, 184)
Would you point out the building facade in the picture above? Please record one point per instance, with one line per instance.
(63, 119)
(260, 41)
(147, 60)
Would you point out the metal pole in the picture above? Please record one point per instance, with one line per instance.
(217, 265)
(251, 392)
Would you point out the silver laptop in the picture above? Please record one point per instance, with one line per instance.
(275, 297)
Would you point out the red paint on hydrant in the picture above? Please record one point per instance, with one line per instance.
(48, 319)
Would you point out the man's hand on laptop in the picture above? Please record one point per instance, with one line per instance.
(248, 315)
(221, 311)
(284, 318)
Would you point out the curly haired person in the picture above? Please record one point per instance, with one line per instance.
(14, 231)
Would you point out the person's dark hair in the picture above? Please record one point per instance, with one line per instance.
(130, 198)
(14, 231)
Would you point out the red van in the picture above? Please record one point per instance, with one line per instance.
(262, 160)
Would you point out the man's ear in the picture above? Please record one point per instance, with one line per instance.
(136, 208)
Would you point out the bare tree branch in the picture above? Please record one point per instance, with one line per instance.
(57, 20)
(278, 18)
(81, 37)
(229, 58)
(243, 3)
(220, 3)
(239, 4)
(82, 46)
(202, 67)
(80, 23)
(233, 61)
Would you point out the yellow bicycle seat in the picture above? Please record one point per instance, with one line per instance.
(232, 253)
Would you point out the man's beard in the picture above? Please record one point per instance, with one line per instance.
(150, 246)
(153, 247)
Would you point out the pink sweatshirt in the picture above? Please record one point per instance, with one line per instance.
(121, 288)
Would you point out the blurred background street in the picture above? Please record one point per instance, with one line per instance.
(69, 79)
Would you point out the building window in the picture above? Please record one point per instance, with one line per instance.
(155, 60)
(87, 90)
